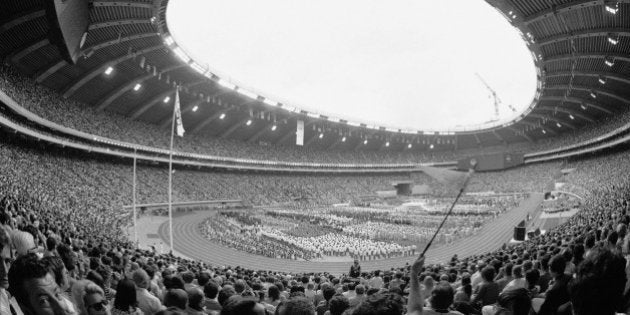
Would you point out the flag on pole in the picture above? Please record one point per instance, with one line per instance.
(299, 134)
(178, 116)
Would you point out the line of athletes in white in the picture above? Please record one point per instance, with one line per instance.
(342, 245)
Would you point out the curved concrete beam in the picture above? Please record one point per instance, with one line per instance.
(621, 32)
(19, 54)
(116, 3)
(121, 22)
(573, 112)
(588, 89)
(21, 19)
(564, 8)
(554, 119)
(583, 73)
(115, 94)
(575, 100)
(97, 71)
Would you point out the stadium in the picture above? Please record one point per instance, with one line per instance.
(136, 179)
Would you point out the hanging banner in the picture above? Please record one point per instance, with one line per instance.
(299, 134)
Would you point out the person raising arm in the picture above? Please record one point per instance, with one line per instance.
(415, 303)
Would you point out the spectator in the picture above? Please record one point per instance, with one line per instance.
(338, 305)
(147, 302)
(125, 302)
(488, 290)
(195, 302)
(558, 293)
(31, 282)
(211, 291)
(598, 285)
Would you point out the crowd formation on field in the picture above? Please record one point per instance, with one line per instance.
(365, 233)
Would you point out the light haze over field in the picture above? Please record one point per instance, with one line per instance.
(403, 63)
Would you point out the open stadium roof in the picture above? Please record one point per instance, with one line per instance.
(131, 64)
(377, 62)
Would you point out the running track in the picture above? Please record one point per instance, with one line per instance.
(189, 242)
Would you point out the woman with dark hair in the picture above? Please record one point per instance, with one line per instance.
(273, 298)
(125, 302)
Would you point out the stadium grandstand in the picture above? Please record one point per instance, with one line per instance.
(263, 207)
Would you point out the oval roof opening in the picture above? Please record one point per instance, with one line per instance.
(404, 64)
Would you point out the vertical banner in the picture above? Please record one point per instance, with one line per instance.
(299, 134)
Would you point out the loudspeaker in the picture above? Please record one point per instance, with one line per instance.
(519, 233)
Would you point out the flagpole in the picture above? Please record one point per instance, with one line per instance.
(135, 222)
(170, 177)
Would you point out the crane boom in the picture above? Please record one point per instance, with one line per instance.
(494, 95)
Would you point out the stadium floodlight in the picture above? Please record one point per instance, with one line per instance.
(222, 116)
(194, 109)
(169, 40)
(270, 102)
(274, 127)
(109, 70)
(559, 125)
(387, 144)
(181, 54)
(602, 80)
(247, 93)
(343, 139)
(612, 9)
(571, 116)
(249, 122)
(609, 61)
(166, 99)
(613, 40)
(225, 83)
(137, 87)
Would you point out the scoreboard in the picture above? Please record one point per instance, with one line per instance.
(491, 162)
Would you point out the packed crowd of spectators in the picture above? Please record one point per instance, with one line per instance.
(62, 251)
(50, 105)
(58, 263)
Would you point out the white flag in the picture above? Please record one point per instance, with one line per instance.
(299, 134)
(178, 116)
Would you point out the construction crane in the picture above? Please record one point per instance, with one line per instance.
(493, 94)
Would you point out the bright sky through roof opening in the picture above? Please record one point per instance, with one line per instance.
(405, 63)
